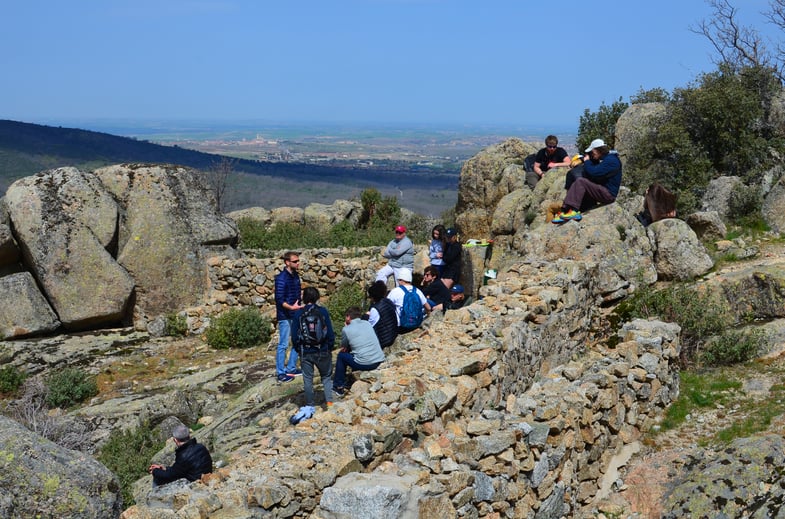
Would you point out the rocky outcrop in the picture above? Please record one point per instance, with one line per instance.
(168, 217)
(637, 123)
(106, 247)
(679, 254)
(485, 179)
(65, 224)
(42, 479)
(742, 480)
(718, 193)
(21, 304)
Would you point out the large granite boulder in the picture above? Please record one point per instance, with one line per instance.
(23, 309)
(324, 216)
(42, 479)
(638, 122)
(718, 193)
(608, 236)
(678, 253)
(259, 214)
(773, 203)
(168, 217)
(485, 179)
(65, 223)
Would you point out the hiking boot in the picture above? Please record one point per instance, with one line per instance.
(572, 215)
(283, 377)
(339, 392)
(304, 413)
(295, 372)
(559, 218)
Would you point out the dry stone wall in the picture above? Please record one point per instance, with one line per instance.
(500, 409)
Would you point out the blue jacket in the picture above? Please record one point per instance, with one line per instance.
(329, 339)
(606, 172)
(287, 290)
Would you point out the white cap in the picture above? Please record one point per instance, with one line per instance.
(405, 275)
(596, 143)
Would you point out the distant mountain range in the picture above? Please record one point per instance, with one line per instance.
(26, 149)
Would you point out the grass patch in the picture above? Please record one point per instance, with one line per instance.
(698, 391)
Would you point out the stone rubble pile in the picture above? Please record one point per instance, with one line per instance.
(481, 414)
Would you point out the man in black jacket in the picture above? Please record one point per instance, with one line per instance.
(191, 460)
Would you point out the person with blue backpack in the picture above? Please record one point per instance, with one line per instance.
(313, 338)
(410, 303)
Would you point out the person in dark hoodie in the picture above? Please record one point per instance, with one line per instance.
(191, 460)
(599, 185)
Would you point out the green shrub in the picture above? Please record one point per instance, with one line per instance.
(69, 386)
(600, 124)
(346, 295)
(235, 328)
(11, 379)
(696, 312)
(176, 325)
(128, 454)
(732, 347)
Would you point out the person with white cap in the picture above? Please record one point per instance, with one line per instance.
(400, 253)
(599, 184)
(398, 296)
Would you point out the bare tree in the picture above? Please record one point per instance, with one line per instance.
(218, 178)
(740, 46)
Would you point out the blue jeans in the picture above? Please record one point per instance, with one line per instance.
(347, 359)
(284, 332)
(323, 361)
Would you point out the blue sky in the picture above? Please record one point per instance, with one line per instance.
(519, 62)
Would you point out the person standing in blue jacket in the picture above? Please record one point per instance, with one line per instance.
(287, 301)
(599, 185)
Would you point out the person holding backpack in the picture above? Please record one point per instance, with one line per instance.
(410, 303)
(314, 338)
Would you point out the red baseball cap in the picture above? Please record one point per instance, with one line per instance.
(400, 228)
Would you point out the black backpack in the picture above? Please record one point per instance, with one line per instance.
(312, 328)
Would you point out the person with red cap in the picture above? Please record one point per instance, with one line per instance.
(400, 255)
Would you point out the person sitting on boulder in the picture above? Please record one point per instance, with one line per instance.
(435, 291)
(551, 156)
(457, 300)
(191, 460)
(599, 184)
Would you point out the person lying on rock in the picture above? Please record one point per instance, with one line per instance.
(360, 348)
(191, 460)
(599, 184)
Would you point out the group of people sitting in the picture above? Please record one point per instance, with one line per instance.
(593, 179)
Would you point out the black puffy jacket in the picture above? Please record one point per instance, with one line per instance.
(386, 327)
(191, 460)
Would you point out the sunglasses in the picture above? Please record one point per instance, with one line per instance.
(551, 147)
(294, 261)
